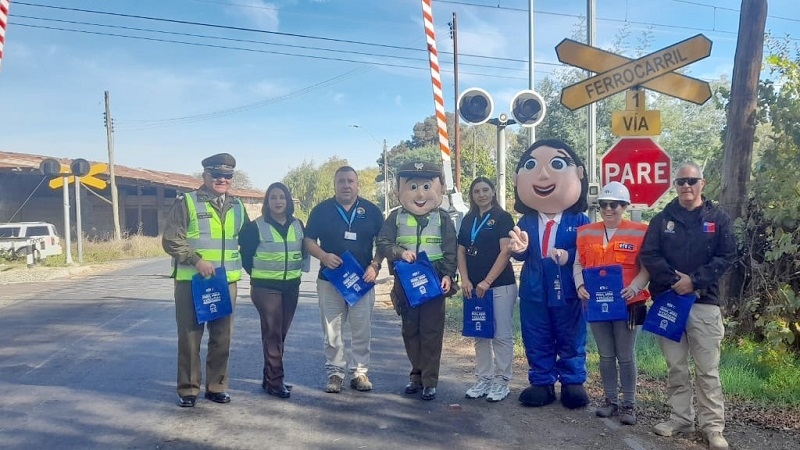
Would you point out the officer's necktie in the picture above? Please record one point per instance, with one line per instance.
(546, 237)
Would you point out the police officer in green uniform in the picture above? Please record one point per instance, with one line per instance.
(201, 233)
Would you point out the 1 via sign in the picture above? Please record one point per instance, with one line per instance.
(635, 120)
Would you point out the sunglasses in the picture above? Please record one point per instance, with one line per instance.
(217, 175)
(613, 205)
(689, 181)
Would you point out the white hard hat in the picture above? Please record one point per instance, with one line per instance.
(615, 191)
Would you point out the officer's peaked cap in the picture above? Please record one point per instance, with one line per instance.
(221, 162)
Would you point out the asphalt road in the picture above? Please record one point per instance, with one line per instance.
(89, 362)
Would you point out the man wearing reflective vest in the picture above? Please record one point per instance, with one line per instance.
(201, 233)
(421, 225)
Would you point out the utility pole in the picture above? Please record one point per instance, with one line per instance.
(456, 126)
(111, 169)
(385, 181)
(591, 127)
(532, 130)
(501, 123)
(738, 150)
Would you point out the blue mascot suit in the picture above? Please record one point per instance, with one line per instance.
(550, 184)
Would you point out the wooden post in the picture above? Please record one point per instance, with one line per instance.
(738, 150)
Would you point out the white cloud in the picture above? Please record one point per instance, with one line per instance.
(262, 14)
(339, 98)
(398, 101)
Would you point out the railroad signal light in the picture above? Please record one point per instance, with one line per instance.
(528, 108)
(475, 106)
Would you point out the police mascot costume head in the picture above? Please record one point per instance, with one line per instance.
(550, 187)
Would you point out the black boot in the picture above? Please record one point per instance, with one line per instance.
(538, 395)
(574, 396)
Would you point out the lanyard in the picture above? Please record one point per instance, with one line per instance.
(475, 230)
(344, 216)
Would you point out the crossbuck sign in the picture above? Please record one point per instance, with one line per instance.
(617, 73)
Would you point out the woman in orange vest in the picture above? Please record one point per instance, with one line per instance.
(615, 241)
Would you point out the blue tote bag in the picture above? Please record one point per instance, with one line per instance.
(419, 280)
(604, 284)
(479, 316)
(212, 299)
(668, 315)
(349, 279)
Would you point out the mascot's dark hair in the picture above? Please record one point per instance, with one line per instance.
(582, 204)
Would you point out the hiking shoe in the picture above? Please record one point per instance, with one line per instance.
(627, 414)
(716, 441)
(497, 392)
(671, 427)
(480, 389)
(361, 383)
(334, 385)
(610, 408)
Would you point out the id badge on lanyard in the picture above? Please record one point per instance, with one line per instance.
(472, 250)
(348, 234)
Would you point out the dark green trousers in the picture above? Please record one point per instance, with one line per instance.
(190, 336)
(423, 331)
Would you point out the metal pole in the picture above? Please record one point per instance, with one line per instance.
(532, 132)
(457, 149)
(67, 228)
(78, 221)
(591, 127)
(111, 170)
(501, 165)
(385, 181)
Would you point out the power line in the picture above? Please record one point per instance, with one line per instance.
(730, 9)
(303, 47)
(606, 19)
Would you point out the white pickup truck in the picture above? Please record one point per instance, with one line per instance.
(18, 240)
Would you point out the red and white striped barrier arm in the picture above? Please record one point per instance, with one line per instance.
(438, 97)
(3, 21)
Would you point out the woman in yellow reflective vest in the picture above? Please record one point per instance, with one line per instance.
(272, 253)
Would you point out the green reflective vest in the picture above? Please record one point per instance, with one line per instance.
(277, 258)
(214, 240)
(429, 238)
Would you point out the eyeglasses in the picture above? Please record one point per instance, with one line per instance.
(613, 205)
(689, 180)
(218, 175)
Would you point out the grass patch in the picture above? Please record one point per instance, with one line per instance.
(99, 251)
(744, 377)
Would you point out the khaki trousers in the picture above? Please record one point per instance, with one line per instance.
(335, 313)
(190, 336)
(702, 340)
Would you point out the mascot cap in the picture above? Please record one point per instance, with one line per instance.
(221, 163)
(420, 169)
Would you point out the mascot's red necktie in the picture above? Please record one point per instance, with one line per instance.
(546, 237)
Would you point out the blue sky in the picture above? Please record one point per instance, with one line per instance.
(173, 104)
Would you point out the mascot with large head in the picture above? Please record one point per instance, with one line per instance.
(421, 225)
(550, 191)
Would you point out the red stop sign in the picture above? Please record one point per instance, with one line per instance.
(641, 165)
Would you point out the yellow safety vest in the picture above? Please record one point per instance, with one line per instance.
(214, 240)
(429, 239)
(277, 258)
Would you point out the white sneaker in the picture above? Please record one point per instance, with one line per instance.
(498, 391)
(480, 388)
